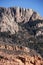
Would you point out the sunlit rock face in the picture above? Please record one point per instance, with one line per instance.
(22, 27)
(10, 17)
(18, 55)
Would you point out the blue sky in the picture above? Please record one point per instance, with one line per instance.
(36, 5)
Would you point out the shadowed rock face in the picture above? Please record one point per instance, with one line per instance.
(22, 27)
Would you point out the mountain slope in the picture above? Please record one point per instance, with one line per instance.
(22, 27)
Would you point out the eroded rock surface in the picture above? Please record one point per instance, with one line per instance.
(10, 17)
(11, 54)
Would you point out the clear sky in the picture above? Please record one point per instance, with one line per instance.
(36, 5)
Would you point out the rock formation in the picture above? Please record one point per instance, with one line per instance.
(21, 37)
(11, 54)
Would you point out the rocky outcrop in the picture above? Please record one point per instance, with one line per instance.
(18, 55)
(10, 18)
(19, 59)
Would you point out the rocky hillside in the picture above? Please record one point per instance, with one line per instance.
(11, 54)
(22, 27)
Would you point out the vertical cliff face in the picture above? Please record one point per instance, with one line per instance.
(10, 17)
(19, 14)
